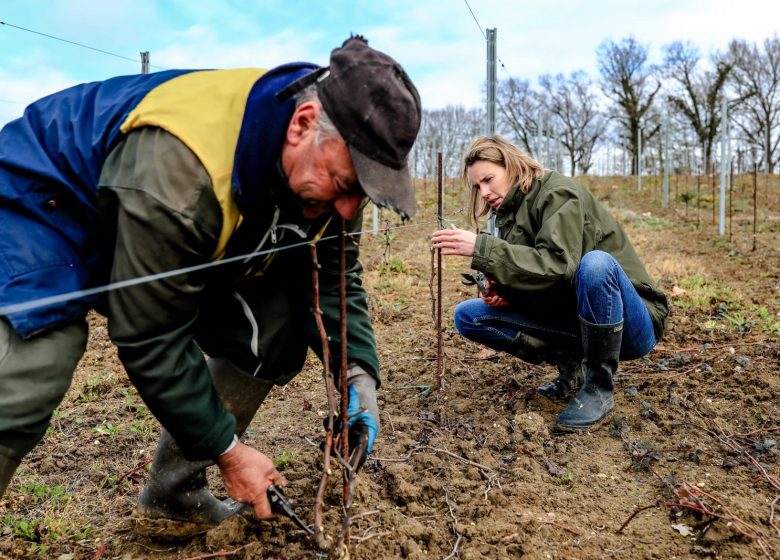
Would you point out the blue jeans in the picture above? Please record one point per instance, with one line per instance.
(605, 296)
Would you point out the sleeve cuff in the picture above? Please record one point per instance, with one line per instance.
(480, 261)
(230, 447)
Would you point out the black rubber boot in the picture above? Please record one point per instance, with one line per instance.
(594, 401)
(8, 467)
(566, 357)
(177, 488)
(569, 379)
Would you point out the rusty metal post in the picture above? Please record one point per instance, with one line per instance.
(698, 200)
(713, 195)
(439, 213)
(731, 199)
(343, 382)
(755, 206)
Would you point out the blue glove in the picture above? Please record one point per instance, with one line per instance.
(363, 410)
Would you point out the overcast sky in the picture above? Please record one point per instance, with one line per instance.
(438, 41)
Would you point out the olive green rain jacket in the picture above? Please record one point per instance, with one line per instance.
(542, 237)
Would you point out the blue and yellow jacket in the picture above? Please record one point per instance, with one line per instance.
(51, 159)
(56, 227)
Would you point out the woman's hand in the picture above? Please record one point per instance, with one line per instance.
(491, 298)
(454, 241)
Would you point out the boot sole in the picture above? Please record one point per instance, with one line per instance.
(556, 398)
(166, 529)
(153, 514)
(561, 428)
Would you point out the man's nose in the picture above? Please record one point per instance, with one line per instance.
(348, 206)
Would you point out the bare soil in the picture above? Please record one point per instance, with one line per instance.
(686, 468)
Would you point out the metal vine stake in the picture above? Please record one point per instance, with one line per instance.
(755, 209)
(439, 212)
(343, 385)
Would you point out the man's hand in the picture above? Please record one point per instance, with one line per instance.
(247, 474)
(454, 241)
(363, 410)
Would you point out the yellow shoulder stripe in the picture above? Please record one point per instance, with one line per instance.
(203, 109)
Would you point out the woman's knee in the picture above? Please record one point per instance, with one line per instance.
(595, 264)
(465, 317)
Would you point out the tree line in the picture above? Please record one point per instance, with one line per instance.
(564, 120)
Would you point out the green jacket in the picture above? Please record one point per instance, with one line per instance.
(542, 237)
(162, 213)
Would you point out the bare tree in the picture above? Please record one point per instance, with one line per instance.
(627, 80)
(756, 81)
(449, 131)
(574, 107)
(694, 92)
(518, 112)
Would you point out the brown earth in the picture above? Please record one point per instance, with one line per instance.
(687, 467)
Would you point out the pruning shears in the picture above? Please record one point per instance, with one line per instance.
(477, 279)
(281, 505)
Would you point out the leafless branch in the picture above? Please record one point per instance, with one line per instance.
(220, 554)
(636, 512)
(321, 539)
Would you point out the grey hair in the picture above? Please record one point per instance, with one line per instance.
(326, 130)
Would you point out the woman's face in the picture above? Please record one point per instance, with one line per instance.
(491, 179)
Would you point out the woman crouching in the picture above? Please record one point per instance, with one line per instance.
(564, 284)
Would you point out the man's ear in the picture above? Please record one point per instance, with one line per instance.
(303, 122)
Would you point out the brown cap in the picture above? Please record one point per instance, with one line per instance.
(376, 109)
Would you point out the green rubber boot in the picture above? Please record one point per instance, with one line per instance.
(594, 401)
(177, 488)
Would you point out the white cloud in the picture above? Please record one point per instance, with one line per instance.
(200, 48)
(437, 41)
(18, 92)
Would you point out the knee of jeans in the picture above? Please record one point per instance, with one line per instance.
(635, 349)
(464, 319)
(459, 318)
(595, 264)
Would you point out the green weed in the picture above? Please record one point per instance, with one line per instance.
(144, 429)
(394, 266)
(738, 320)
(107, 429)
(565, 480)
(655, 223)
(712, 325)
(19, 527)
(767, 322)
(39, 493)
(38, 531)
(285, 459)
(702, 291)
(93, 388)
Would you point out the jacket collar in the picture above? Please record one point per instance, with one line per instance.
(262, 135)
(515, 197)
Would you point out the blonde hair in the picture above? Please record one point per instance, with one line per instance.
(521, 168)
